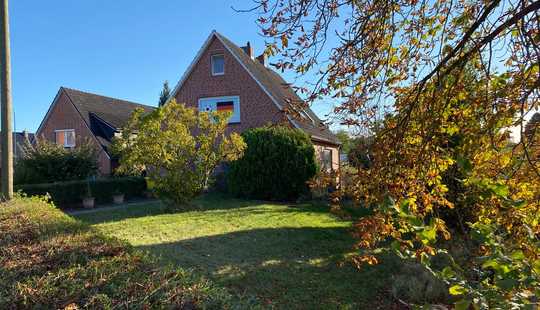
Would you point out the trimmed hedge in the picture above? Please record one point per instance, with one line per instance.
(276, 165)
(70, 193)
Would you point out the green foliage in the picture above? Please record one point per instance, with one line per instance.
(47, 162)
(69, 194)
(277, 164)
(48, 260)
(347, 142)
(361, 155)
(178, 148)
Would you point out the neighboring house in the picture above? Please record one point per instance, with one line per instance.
(77, 117)
(223, 76)
(19, 141)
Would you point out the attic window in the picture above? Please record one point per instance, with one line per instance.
(218, 64)
(65, 137)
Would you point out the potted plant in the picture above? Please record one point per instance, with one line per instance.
(118, 197)
(88, 199)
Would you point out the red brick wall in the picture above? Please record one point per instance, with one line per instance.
(256, 108)
(63, 115)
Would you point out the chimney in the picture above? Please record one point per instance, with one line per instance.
(262, 59)
(248, 50)
(25, 135)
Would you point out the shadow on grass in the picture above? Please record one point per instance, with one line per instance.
(208, 202)
(302, 268)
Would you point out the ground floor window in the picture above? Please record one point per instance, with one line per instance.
(326, 159)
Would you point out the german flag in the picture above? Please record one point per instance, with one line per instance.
(225, 106)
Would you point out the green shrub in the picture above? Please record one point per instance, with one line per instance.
(49, 260)
(47, 162)
(277, 164)
(69, 193)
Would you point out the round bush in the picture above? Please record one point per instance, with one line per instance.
(276, 165)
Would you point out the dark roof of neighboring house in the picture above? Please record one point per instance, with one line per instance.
(103, 115)
(112, 111)
(279, 90)
(19, 140)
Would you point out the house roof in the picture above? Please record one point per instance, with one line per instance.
(103, 115)
(19, 141)
(114, 112)
(281, 92)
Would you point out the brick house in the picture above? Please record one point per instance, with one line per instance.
(20, 139)
(225, 76)
(222, 76)
(76, 117)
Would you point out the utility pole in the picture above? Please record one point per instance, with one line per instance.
(7, 108)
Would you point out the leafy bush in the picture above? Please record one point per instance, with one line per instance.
(49, 260)
(70, 193)
(178, 148)
(47, 162)
(277, 164)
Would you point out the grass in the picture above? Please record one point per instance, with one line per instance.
(49, 260)
(289, 257)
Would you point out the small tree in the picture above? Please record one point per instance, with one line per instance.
(165, 93)
(178, 148)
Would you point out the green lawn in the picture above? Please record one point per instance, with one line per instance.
(287, 256)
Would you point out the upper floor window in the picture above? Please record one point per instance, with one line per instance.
(218, 64)
(65, 137)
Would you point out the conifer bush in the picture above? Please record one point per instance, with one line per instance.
(277, 164)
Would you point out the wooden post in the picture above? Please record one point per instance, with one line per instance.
(6, 109)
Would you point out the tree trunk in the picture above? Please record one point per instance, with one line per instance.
(6, 110)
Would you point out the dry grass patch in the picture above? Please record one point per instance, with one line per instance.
(49, 260)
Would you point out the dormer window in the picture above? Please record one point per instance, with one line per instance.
(218, 64)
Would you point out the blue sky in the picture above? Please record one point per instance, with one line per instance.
(118, 48)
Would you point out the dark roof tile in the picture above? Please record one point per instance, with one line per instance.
(115, 112)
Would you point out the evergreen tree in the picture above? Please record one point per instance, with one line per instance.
(165, 93)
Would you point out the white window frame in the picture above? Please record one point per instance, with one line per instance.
(66, 145)
(212, 64)
(215, 100)
(330, 164)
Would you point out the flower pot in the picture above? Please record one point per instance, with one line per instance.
(118, 199)
(88, 202)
